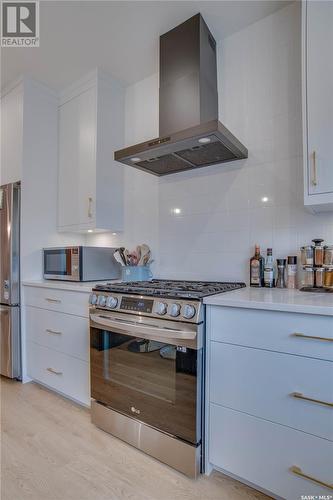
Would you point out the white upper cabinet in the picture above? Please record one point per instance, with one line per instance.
(11, 135)
(317, 18)
(91, 128)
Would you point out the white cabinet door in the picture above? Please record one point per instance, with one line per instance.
(77, 160)
(318, 74)
(59, 371)
(266, 454)
(11, 136)
(273, 386)
(69, 166)
(87, 156)
(91, 124)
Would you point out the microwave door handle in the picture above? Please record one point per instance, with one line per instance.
(135, 329)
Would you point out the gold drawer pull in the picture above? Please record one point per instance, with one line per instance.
(51, 370)
(299, 395)
(54, 332)
(298, 471)
(90, 201)
(314, 181)
(55, 301)
(313, 337)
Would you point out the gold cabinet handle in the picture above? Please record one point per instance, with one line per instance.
(314, 169)
(54, 332)
(90, 201)
(298, 471)
(313, 337)
(54, 301)
(299, 395)
(51, 370)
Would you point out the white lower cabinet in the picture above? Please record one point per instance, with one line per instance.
(263, 453)
(53, 299)
(271, 385)
(68, 375)
(62, 332)
(56, 326)
(270, 399)
(286, 332)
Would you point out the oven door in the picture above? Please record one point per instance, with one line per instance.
(147, 371)
(61, 263)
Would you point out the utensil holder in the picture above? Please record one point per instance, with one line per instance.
(136, 273)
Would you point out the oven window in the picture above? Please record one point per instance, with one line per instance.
(154, 382)
(58, 262)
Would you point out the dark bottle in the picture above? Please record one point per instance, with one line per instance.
(257, 265)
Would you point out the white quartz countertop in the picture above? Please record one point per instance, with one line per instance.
(275, 300)
(84, 287)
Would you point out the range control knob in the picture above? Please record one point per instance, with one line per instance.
(175, 310)
(111, 302)
(101, 301)
(161, 308)
(188, 311)
(93, 299)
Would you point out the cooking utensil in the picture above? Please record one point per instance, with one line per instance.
(145, 250)
(122, 255)
(118, 257)
(138, 252)
(127, 257)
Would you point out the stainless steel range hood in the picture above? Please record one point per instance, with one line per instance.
(190, 134)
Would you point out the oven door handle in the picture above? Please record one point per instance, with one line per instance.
(135, 329)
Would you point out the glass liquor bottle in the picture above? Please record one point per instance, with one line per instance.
(269, 280)
(257, 269)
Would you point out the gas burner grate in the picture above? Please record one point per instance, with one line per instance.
(170, 288)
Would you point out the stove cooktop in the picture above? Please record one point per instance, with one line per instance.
(171, 288)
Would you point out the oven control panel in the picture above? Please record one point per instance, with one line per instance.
(164, 308)
(136, 304)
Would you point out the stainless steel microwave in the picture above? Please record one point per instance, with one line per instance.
(80, 263)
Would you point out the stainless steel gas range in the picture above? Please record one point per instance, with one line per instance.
(147, 366)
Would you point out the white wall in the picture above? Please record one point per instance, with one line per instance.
(222, 209)
(141, 189)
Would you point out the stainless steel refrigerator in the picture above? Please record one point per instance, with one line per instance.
(10, 331)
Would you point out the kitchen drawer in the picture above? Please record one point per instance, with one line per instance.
(262, 383)
(57, 300)
(262, 453)
(62, 332)
(272, 330)
(61, 372)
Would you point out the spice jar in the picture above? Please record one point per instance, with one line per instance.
(308, 277)
(318, 252)
(319, 277)
(307, 255)
(291, 271)
(328, 255)
(328, 277)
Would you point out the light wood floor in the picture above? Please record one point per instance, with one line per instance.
(51, 451)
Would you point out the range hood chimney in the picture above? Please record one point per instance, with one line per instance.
(190, 135)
